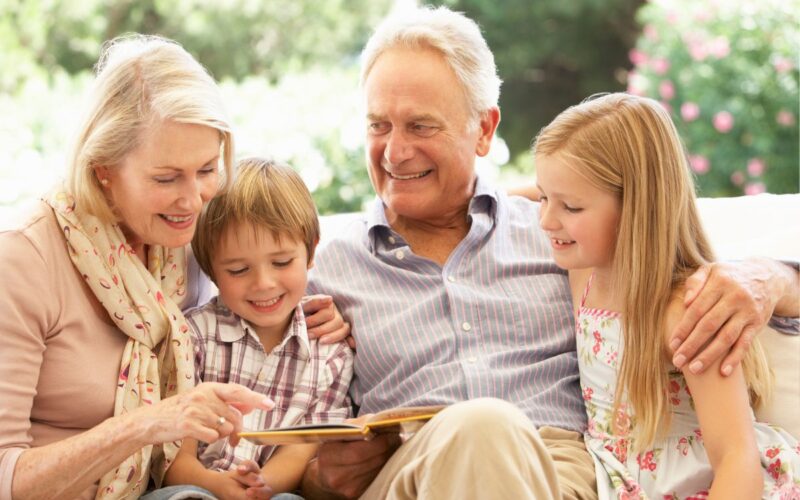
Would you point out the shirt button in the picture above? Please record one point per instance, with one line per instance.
(400, 255)
(472, 360)
(261, 376)
(466, 326)
(451, 279)
(392, 240)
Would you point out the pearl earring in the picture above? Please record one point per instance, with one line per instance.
(104, 182)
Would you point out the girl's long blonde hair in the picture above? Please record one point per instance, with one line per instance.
(628, 146)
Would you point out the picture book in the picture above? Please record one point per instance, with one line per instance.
(397, 420)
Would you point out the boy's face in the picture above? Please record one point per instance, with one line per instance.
(261, 279)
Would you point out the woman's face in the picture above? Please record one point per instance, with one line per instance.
(160, 187)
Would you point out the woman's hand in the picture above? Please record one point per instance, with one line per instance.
(207, 413)
(324, 321)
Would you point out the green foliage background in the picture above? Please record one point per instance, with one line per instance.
(289, 74)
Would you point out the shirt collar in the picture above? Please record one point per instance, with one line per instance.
(241, 327)
(484, 201)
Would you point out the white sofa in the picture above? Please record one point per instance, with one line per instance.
(764, 225)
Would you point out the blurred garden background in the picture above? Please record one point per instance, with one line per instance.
(726, 69)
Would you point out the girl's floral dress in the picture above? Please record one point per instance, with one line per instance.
(677, 467)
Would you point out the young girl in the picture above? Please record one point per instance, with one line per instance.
(618, 205)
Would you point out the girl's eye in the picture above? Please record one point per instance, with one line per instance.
(543, 199)
(572, 210)
(237, 272)
(207, 171)
(282, 263)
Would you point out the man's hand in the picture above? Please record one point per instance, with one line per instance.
(324, 321)
(727, 304)
(346, 469)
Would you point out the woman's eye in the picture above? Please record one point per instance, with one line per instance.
(207, 171)
(164, 180)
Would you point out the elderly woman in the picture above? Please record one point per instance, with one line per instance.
(92, 338)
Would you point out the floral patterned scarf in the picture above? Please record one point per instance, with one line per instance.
(142, 303)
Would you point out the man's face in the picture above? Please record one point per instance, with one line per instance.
(421, 139)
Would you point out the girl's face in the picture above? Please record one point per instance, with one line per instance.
(160, 187)
(580, 219)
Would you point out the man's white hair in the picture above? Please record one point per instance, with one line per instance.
(452, 34)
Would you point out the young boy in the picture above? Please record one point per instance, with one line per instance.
(256, 241)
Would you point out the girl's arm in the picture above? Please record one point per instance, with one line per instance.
(285, 469)
(726, 422)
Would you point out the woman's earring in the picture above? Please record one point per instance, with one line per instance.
(104, 182)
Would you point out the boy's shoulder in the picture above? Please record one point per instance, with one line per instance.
(204, 320)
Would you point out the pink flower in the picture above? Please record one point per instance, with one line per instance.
(782, 65)
(660, 65)
(773, 452)
(723, 122)
(719, 47)
(637, 57)
(629, 492)
(651, 32)
(754, 188)
(699, 164)
(785, 118)
(737, 178)
(755, 167)
(667, 90)
(587, 394)
(683, 446)
(667, 106)
(774, 469)
(690, 111)
(697, 49)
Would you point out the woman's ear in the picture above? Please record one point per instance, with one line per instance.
(102, 175)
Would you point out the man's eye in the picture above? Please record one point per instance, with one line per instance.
(237, 271)
(378, 128)
(423, 130)
(282, 263)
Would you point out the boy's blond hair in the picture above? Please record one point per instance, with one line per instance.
(264, 194)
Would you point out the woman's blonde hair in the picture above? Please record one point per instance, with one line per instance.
(141, 79)
(264, 194)
(628, 146)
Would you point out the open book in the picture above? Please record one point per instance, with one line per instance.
(397, 420)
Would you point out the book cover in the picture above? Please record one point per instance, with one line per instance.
(397, 420)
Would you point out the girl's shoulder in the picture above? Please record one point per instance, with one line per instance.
(578, 279)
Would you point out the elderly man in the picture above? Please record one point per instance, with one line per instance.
(454, 298)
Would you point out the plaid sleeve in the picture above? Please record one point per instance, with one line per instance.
(333, 403)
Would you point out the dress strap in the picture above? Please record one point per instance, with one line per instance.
(586, 290)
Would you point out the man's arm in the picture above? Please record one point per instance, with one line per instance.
(726, 305)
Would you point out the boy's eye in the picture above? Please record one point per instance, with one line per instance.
(282, 263)
(237, 271)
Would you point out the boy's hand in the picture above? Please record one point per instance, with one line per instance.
(243, 482)
(324, 321)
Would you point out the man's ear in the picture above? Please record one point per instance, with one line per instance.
(487, 125)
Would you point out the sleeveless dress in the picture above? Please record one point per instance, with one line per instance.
(677, 467)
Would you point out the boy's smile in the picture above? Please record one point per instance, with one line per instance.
(261, 279)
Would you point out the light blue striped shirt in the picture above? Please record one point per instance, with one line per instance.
(495, 321)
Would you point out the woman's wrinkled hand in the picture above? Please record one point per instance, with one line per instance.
(207, 413)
